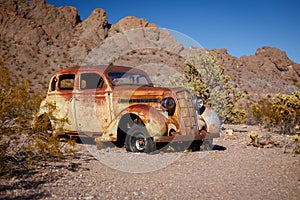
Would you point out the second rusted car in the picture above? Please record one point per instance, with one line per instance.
(120, 105)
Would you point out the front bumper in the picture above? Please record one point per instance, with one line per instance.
(185, 138)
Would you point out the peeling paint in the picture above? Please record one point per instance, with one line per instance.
(97, 104)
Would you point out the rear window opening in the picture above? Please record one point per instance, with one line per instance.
(66, 82)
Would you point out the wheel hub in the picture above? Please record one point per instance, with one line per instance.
(140, 144)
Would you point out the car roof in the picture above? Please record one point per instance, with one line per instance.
(99, 68)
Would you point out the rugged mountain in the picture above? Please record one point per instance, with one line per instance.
(267, 72)
(37, 39)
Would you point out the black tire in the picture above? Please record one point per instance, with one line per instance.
(138, 140)
(196, 145)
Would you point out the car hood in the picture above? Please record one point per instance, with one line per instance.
(138, 90)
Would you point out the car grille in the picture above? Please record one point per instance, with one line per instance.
(145, 100)
(187, 112)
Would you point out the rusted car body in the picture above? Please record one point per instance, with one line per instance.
(121, 105)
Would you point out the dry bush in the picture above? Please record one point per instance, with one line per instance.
(296, 141)
(281, 114)
(267, 140)
(20, 145)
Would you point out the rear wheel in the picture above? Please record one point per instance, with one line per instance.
(138, 140)
(196, 145)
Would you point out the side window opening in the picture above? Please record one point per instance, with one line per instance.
(90, 81)
(53, 84)
(66, 82)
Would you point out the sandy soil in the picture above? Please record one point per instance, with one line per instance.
(232, 170)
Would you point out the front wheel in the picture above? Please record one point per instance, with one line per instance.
(138, 140)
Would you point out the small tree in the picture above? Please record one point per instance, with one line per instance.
(203, 77)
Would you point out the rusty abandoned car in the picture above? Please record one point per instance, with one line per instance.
(121, 105)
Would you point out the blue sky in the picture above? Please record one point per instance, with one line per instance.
(239, 26)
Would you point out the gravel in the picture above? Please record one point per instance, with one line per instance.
(232, 170)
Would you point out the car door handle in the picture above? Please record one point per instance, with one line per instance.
(75, 99)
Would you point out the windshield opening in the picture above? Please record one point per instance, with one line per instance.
(125, 78)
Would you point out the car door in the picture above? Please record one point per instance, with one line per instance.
(60, 99)
(91, 104)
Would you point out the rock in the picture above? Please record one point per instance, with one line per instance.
(229, 132)
(122, 43)
(93, 30)
(28, 21)
(60, 22)
(296, 67)
(192, 51)
(88, 34)
(71, 15)
(276, 56)
(128, 23)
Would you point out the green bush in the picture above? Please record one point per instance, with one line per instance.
(204, 78)
(281, 114)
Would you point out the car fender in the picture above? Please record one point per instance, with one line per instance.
(212, 120)
(153, 120)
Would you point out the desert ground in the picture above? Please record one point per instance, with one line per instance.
(233, 169)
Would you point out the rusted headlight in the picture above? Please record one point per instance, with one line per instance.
(198, 104)
(169, 104)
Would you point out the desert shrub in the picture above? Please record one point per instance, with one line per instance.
(20, 145)
(253, 137)
(295, 140)
(259, 113)
(204, 78)
(5, 76)
(281, 114)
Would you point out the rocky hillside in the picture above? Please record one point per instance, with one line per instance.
(37, 39)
